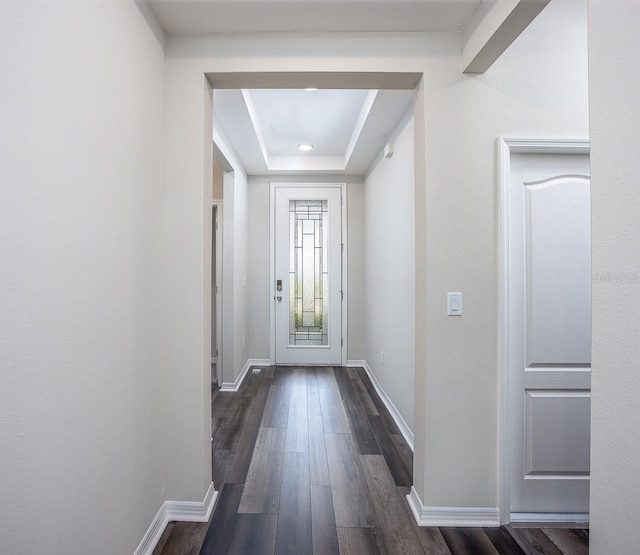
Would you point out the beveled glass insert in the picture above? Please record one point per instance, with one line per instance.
(308, 273)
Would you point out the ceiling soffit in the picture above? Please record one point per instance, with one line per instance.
(347, 128)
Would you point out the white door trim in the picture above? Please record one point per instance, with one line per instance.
(272, 270)
(506, 147)
(217, 204)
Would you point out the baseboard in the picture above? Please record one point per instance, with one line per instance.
(395, 413)
(152, 537)
(234, 386)
(549, 517)
(192, 511)
(189, 511)
(451, 516)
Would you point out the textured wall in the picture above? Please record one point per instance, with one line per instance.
(614, 88)
(389, 274)
(80, 219)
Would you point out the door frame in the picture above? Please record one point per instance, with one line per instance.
(217, 221)
(272, 270)
(507, 146)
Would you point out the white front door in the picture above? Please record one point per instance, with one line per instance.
(307, 288)
(549, 333)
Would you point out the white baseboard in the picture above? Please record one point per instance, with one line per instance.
(192, 511)
(234, 386)
(549, 517)
(395, 413)
(189, 511)
(451, 516)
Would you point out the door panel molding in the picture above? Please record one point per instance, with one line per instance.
(506, 147)
(543, 408)
(555, 333)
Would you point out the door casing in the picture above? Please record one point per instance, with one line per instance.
(272, 269)
(505, 148)
(217, 248)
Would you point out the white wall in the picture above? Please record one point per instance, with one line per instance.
(229, 280)
(356, 268)
(188, 178)
(216, 194)
(614, 88)
(240, 261)
(235, 306)
(389, 271)
(81, 181)
(538, 88)
(259, 288)
(186, 239)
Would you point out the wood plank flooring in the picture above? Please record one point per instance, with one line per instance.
(309, 461)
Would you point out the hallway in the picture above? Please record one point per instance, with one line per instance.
(308, 460)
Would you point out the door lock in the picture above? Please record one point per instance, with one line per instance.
(279, 285)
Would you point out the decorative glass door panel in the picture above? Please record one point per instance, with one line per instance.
(308, 274)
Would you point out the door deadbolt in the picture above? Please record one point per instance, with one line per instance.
(279, 285)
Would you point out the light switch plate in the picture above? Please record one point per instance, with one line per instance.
(454, 304)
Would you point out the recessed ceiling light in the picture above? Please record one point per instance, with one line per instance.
(305, 147)
(310, 89)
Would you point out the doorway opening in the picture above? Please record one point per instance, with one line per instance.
(253, 293)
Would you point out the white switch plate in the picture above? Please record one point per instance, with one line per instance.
(454, 304)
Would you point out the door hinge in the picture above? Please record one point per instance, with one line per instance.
(342, 247)
(216, 353)
(341, 342)
(342, 295)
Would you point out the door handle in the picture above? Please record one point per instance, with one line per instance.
(279, 297)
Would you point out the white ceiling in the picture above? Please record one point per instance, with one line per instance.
(347, 128)
(237, 16)
(324, 118)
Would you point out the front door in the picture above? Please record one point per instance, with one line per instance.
(307, 288)
(550, 334)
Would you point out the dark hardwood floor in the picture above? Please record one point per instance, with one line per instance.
(309, 461)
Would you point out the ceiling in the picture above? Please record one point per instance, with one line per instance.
(347, 128)
(238, 16)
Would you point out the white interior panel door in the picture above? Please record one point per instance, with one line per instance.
(308, 275)
(550, 332)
